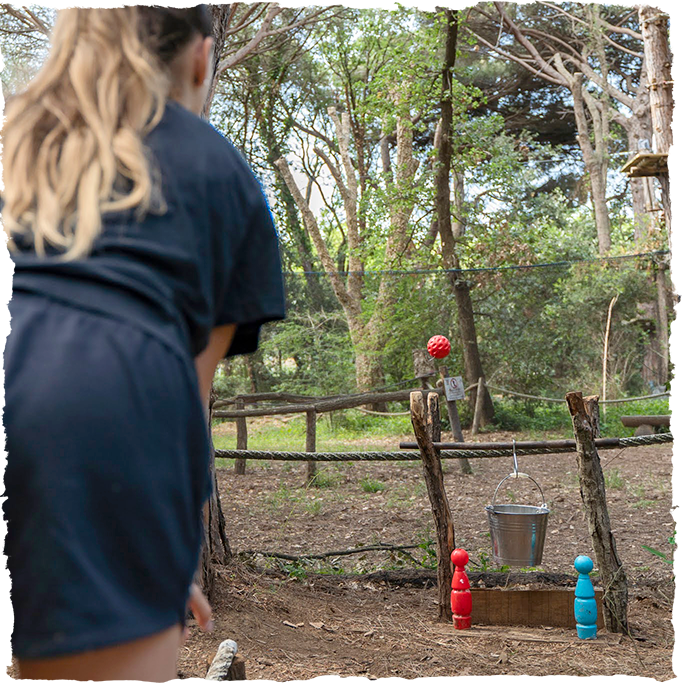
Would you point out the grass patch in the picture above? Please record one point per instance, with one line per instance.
(371, 485)
(327, 479)
(640, 504)
(283, 497)
(613, 479)
(314, 507)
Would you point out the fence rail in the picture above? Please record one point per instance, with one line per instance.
(326, 404)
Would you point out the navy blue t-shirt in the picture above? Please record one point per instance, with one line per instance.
(208, 257)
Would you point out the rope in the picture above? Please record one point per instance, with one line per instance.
(429, 271)
(397, 456)
(562, 400)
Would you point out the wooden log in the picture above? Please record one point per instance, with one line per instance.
(454, 419)
(478, 406)
(652, 420)
(311, 469)
(282, 397)
(431, 465)
(585, 415)
(227, 665)
(326, 406)
(242, 440)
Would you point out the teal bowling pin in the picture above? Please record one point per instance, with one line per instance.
(585, 607)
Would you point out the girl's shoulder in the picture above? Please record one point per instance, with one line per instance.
(190, 146)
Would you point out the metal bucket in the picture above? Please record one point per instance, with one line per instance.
(517, 531)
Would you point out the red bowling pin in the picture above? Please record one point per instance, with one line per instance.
(461, 597)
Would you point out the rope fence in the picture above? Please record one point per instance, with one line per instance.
(562, 400)
(398, 456)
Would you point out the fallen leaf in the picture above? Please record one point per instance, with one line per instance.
(316, 624)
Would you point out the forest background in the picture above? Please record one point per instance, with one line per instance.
(364, 124)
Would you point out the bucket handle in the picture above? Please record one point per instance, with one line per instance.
(517, 475)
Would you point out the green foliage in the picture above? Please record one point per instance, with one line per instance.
(538, 418)
(663, 556)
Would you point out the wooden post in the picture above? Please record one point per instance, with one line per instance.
(433, 416)
(454, 419)
(478, 406)
(604, 354)
(242, 439)
(431, 465)
(311, 471)
(586, 422)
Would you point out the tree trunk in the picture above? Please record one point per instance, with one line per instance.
(468, 335)
(597, 171)
(221, 19)
(639, 128)
(368, 359)
(473, 368)
(642, 218)
(586, 422)
(215, 547)
(662, 324)
(369, 373)
(654, 26)
(441, 512)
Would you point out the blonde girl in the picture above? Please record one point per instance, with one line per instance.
(144, 252)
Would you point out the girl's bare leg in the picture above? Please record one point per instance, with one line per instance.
(148, 659)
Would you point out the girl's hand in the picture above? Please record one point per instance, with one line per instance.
(200, 607)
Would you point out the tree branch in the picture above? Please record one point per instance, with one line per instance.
(530, 64)
(28, 18)
(546, 68)
(313, 229)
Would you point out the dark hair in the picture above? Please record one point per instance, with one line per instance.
(166, 30)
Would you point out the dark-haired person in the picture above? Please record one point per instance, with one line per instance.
(144, 252)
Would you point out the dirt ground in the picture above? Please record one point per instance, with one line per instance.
(374, 614)
(292, 624)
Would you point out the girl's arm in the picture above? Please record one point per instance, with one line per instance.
(207, 361)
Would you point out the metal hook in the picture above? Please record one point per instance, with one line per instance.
(514, 459)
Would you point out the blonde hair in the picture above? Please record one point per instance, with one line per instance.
(73, 140)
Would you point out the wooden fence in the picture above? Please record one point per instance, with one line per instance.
(312, 407)
(309, 405)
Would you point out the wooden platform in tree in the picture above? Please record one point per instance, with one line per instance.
(646, 164)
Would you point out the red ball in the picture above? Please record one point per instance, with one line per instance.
(438, 346)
